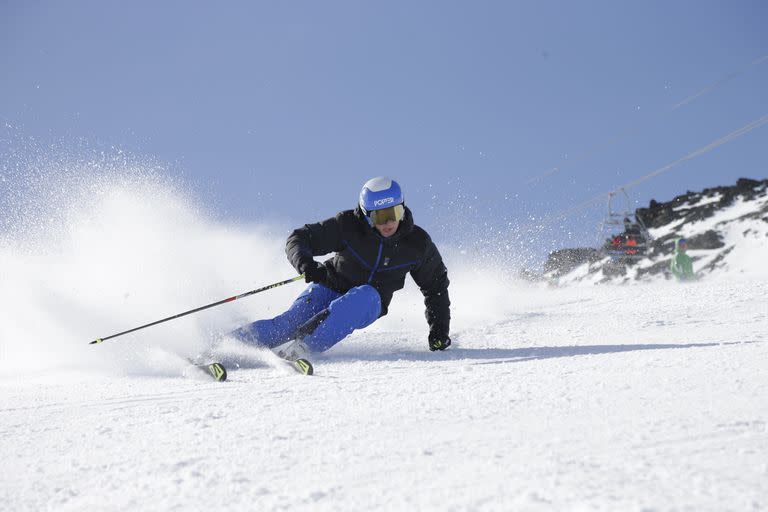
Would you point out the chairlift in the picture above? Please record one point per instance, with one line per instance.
(622, 239)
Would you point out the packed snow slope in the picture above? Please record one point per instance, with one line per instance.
(650, 397)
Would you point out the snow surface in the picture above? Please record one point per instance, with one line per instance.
(646, 397)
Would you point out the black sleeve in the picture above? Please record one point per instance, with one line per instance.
(432, 278)
(313, 240)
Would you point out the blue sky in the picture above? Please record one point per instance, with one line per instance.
(280, 111)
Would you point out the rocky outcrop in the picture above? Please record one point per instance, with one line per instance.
(695, 206)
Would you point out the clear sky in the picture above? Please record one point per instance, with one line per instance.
(280, 111)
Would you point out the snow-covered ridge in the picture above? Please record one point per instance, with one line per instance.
(726, 228)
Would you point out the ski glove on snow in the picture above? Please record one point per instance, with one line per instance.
(438, 342)
(314, 272)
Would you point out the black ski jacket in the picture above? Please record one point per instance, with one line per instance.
(363, 256)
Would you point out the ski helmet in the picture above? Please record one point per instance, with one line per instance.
(381, 199)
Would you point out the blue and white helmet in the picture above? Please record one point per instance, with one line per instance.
(382, 195)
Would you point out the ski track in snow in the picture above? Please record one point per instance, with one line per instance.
(648, 397)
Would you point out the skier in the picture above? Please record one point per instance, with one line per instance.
(681, 265)
(375, 246)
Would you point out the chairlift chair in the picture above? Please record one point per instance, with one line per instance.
(620, 238)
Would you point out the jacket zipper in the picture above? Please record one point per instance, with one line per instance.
(376, 265)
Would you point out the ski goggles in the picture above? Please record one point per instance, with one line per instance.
(394, 213)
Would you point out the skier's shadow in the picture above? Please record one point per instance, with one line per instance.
(503, 356)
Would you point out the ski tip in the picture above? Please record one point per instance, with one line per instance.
(303, 366)
(217, 371)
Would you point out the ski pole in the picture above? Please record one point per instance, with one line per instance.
(230, 299)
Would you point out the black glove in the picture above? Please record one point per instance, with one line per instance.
(314, 272)
(438, 341)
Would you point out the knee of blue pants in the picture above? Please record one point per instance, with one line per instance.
(275, 331)
(357, 308)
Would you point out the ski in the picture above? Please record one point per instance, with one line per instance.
(291, 354)
(302, 366)
(218, 372)
(214, 370)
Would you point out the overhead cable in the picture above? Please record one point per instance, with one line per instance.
(618, 137)
(757, 123)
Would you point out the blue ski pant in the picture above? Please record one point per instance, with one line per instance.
(320, 316)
